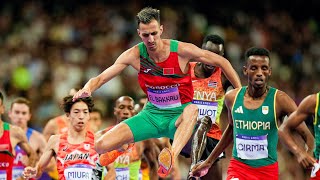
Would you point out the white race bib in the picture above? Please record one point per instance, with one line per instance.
(252, 147)
(3, 175)
(122, 173)
(164, 98)
(207, 108)
(140, 174)
(78, 172)
(17, 172)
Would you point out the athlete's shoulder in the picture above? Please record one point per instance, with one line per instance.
(312, 97)
(54, 139)
(54, 121)
(309, 103)
(37, 135)
(52, 126)
(232, 93)
(131, 53)
(190, 51)
(185, 45)
(231, 96)
(284, 103)
(281, 95)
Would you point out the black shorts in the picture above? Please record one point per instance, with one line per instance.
(211, 144)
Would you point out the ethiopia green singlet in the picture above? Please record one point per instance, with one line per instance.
(255, 131)
(316, 128)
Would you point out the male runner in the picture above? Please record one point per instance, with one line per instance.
(308, 107)
(127, 165)
(20, 115)
(57, 125)
(73, 150)
(164, 75)
(209, 86)
(10, 137)
(254, 114)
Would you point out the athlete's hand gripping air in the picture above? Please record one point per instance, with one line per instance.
(81, 94)
(306, 160)
(200, 169)
(29, 172)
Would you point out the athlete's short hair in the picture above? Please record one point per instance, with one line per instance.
(21, 100)
(68, 102)
(147, 14)
(257, 51)
(214, 38)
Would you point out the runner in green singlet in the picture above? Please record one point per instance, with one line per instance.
(254, 112)
(309, 107)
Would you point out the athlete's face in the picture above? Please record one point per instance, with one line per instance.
(124, 109)
(95, 121)
(216, 48)
(258, 71)
(19, 114)
(79, 116)
(150, 34)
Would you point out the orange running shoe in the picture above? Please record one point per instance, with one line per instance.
(166, 162)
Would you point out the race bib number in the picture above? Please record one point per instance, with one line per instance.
(207, 108)
(3, 175)
(252, 147)
(79, 171)
(314, 170)
(140, 174)
(17, 172)
(122, 174)
(164, 98)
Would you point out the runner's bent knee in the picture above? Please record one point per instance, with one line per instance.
(114, 139)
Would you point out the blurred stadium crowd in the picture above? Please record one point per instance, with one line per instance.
(47, 48)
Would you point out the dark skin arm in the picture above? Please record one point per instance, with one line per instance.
(225, 141)
(286, 107)
(225, 83)
(294, 122)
